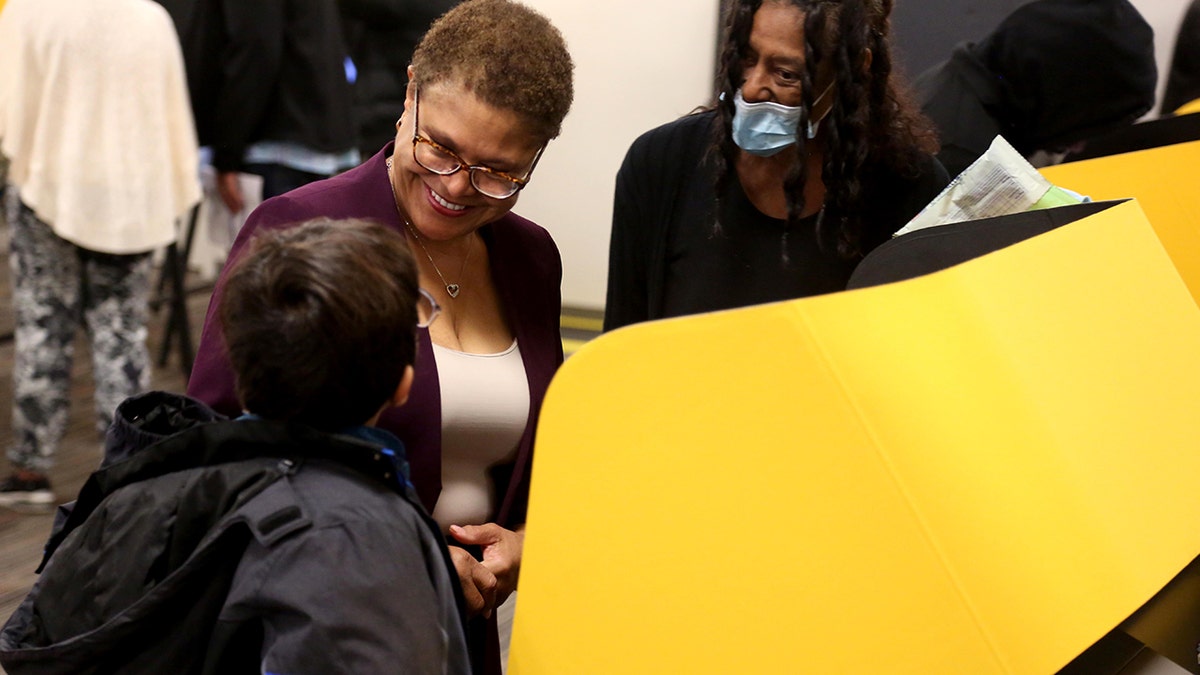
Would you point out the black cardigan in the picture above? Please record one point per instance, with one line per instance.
(665, 192)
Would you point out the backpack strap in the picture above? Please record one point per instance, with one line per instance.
(274, 513)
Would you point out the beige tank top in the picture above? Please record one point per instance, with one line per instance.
(485, 407)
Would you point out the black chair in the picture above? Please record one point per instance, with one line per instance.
(936, 248)
(1141, 136)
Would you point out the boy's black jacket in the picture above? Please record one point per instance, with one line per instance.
(154, 599)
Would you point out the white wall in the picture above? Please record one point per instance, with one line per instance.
(638, 64)
(1164, 17)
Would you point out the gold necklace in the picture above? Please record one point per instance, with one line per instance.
(451, 289)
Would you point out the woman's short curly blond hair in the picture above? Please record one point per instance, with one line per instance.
(507, 54)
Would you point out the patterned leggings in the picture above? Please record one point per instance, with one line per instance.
(56, 287)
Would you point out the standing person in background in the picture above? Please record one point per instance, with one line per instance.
(1050, 76)
(282, 108)
(1183, 80)
(94, 117)
(810, 160)
(381, 36)
(488, 89)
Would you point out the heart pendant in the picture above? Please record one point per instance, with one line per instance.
(452, 289)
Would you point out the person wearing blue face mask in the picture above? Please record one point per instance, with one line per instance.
(811, 157)
(766, 128)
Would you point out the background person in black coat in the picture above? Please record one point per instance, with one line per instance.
(270, 91)
(380, 38)
(1050, 76)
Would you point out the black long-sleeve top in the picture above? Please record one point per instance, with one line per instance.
(667, 258)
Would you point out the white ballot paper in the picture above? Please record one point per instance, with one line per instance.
(1000, 182)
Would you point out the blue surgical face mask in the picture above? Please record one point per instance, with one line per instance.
(765, 128)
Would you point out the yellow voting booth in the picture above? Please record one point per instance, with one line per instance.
(1159, 178)
(982, 470)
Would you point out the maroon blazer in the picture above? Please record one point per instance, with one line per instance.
(526, 269)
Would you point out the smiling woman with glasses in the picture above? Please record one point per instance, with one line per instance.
(443, 161)
(489, 86)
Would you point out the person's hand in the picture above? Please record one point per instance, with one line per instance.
(478, 583)
(230, 191)
(501, 553)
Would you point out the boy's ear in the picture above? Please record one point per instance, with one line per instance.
(403, 389)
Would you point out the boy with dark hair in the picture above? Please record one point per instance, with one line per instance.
(287, 541)
(320, 325)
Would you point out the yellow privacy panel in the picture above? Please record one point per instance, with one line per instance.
(1055, 379)
(697, 517)
(978, 471)
(1163, 181)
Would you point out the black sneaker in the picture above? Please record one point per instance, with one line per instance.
(17, 492)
